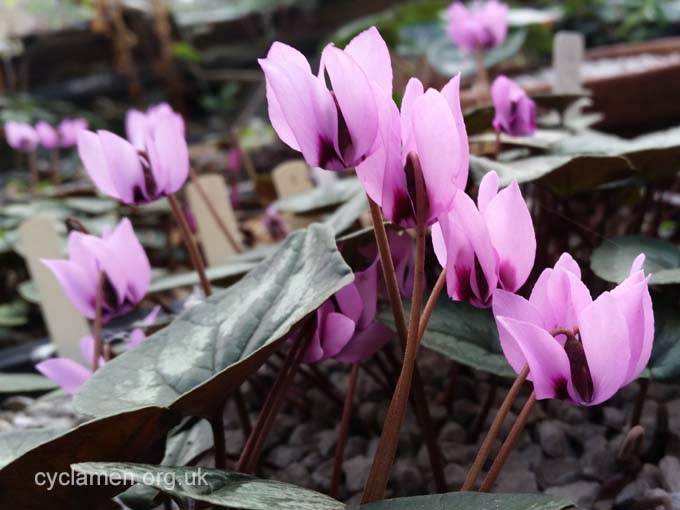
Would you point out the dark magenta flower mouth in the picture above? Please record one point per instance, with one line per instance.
(581, 377)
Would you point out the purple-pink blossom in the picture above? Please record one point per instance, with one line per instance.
(578, 349)
(480, 26)
(48, 136)
(430, 125)
(21, 137)
(69, 130)
(515, 111)
(346, 329)
(333, 128)
(119, 255)
(152, 165)
(488, 245)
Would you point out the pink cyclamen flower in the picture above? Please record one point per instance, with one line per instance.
(346, 329)
(153, 164)
(139, 125)
(578, 349)
(119, 255)
(333, 129)
(47, 135)
(515, 112)
(431, 125)
(70, 376)
(275, 224)
(21, 137)
(69, 129)
(486, 246)
(481, 26)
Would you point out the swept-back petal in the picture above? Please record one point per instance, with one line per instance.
(365, 344)
(548, 363)
(606, 342)
(78, 285)
(68, 374)
(92, 155)
(136, 268)
(368, 49)
(512, 234)
(123, 165)
(414, 90)
(451, 91)
(169, 157)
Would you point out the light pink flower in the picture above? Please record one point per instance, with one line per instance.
(48, 136)
(515, 112)
(21, 137)
(479, 27)
(492, 245)
(578, 349)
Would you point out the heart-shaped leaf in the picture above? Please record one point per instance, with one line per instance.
(210, 349)
(472, 501)
(222, 275)
(136, 436)
(231, 490)
(465, 334)
(565, 175)
(17, 442)
(612, 260)
(11, 384)
(664, 364)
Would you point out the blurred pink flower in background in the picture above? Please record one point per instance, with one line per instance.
(21, 137)
(515, 112)
(578, 349)
(480, 26)
(48, 136)
(119, 255)
(69, 129)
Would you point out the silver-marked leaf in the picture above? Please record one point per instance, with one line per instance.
(472, 501)
(226, 489)
(17, 442)
(11, 384)
(320, 198)
(194, 363)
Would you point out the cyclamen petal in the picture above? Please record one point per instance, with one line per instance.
(21, 137)
(68, 374)
(49, 138)
(515, 112)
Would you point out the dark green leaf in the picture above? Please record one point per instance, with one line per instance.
(232, 490)
(210, 349)
(611, 260)
(664, 364)
(24, 383)
(465, 334)
(472, 501)
(137, 436)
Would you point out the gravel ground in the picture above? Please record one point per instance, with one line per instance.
(566, 451)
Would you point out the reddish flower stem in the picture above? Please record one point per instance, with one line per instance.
(55, 164)
(194, 254)
(482, 82)
(508, 445)
(242, 410)
(33, 168)
(418, 397)
(255, 442)
(639, 402)
(213, 212)
(220, 447)
(387, 446)
(492, 434)
(431, 303)
(98, 322)
(344, 429)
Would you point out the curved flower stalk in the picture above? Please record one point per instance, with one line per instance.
(577, 349)
(154, 164)
(430, 125)
(70, 376)
(333, 128)
(515, 112)
(119, 256)
(346, 329)
(480, 27)
(402, 248)
(486, 246)
(69, 130)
